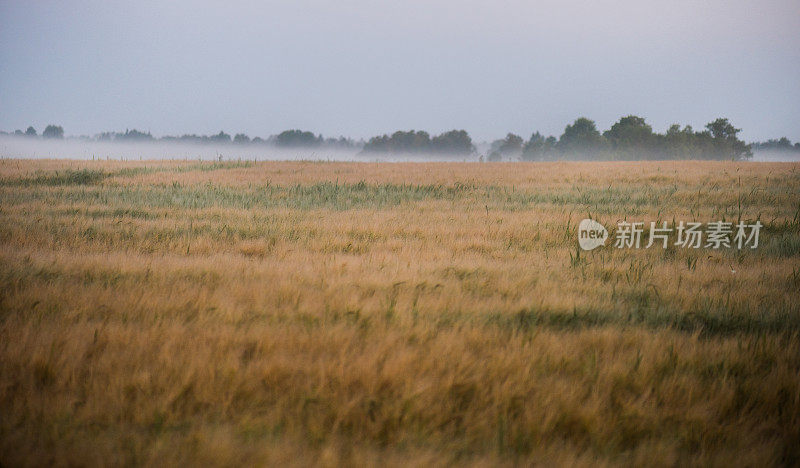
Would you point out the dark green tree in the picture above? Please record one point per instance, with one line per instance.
(241, 139)
(512, 144)
(780, 144)
(678, 143)
(221, 137)
(410, 142)
(297, 139)
(581, 139)
(453, 142)
(133, 135)
(538, 147)
(53, 131)
(508, 147)
(726, 144)
(632, 138)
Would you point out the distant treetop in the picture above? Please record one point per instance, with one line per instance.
(53, 131)
(452, 142)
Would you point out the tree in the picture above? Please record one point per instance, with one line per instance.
(784, 143)
(241, 139)
(133, 135)
(453, 142)
(679, 143)
(581, 138)
(221, 137)
(31, 132)
(411, 141)
(538, 147)
(632, 137)
(726, 143)
(296, 138)
(377, 144)
(781, 144)
(339, 143)
(510, 146)
(53, 131)
(722, 129)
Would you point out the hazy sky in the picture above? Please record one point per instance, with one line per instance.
(361, 68)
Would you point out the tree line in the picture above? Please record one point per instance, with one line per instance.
(285, 139)
(50, 132)
(452, 142)
(631, 137)
(781, 144)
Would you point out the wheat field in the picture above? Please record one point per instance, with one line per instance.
(368, 314)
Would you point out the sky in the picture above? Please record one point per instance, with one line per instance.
(364, 68)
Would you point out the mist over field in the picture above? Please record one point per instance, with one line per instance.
(14, 147)
(775, 156)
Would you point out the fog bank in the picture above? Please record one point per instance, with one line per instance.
(28, 148)
(72, 148)
(776, 156)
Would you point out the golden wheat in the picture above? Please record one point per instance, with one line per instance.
(369, 314)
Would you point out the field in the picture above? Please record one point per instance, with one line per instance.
(318, 313)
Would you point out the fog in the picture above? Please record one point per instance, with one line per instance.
(776, 156)
(15, 147)
(83, 149)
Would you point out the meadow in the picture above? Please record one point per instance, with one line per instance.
(364, 314)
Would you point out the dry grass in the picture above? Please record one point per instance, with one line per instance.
(393, 314)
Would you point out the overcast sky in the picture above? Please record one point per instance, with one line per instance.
(361, 68)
